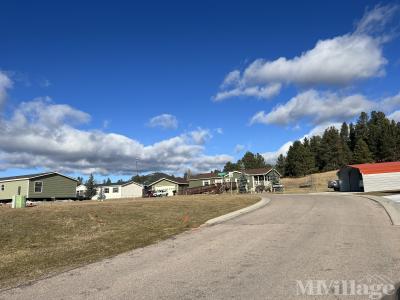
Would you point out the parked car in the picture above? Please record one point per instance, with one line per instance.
(334, 184)
(160, 193)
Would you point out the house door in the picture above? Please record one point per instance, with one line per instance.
(19, 190)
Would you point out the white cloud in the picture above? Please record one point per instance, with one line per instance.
(316, 107)
(337, 61)
(5, 84)
(390, 103)
(200, 136)
(319, 130)
(232, 78)
(375, 20)
(165, 121)
(395, 116)
(271, 157)
(239, 148)
(265, 92)
(340, 60)
(219, 130)
(46, 135)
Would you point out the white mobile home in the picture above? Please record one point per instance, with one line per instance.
(128, 189)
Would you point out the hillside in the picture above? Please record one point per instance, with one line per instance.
(317, 182)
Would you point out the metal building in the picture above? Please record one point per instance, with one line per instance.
(370, 177)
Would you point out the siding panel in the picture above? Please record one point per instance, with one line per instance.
(11, 189)
(381, 182)
(53, 186)
(132, 190)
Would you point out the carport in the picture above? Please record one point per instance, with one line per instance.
(370, 177)
(350, 179)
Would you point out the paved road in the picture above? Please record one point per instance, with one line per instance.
(257, 256)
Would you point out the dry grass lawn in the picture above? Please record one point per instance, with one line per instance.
(55, 237)
(318, 181)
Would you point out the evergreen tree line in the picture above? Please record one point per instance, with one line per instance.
(372, 138)
(248, 161)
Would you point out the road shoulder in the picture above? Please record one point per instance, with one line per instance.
(391, 208)
(263, 202)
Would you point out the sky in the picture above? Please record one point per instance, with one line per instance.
(119, 87)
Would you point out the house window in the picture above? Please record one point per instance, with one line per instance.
(218, 180)
(38, 186)
(206, 182)
(115, 190)
(106, 190)
(2, 187)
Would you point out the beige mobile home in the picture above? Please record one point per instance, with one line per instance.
(50, 185)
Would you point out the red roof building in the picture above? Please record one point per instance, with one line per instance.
(370, 177)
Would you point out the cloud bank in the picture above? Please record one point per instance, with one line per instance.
(42, 134)
(338, 61)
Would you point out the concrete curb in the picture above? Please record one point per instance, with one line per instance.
(264, 201)
(391, 208)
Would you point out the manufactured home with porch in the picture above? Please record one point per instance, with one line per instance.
(255, 178)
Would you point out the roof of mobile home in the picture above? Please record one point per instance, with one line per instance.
(30, 176)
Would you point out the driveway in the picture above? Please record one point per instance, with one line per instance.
(260, 255)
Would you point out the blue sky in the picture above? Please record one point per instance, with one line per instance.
(103, 83)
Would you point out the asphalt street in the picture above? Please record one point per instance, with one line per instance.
(266, 254)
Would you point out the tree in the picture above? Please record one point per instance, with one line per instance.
(315, 147)
(299, 160)
(332, 153)
(120, 181)
(80, 180)
(230, 166)
(252, 161)
(281, 164)
(108, 181)
(242, 180)
(361, 153)
(90, 187)
(381, 137)
(344, 133)
(352, 137)
(361, 128)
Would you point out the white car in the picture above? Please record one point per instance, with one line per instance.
(160, 193)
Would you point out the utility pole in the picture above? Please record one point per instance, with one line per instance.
(137, 171)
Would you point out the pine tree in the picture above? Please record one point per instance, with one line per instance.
(332, 153)
(242, 180)
(252, 161)
(281, 164)
(90, 187)
(361, 128)
(352, 137)
(345, 138)
(229, 167)
(108, 181)
(315, 147)
(308, 158)
(80, 180)
(344, 133)
(361, 153)
(300, 160)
